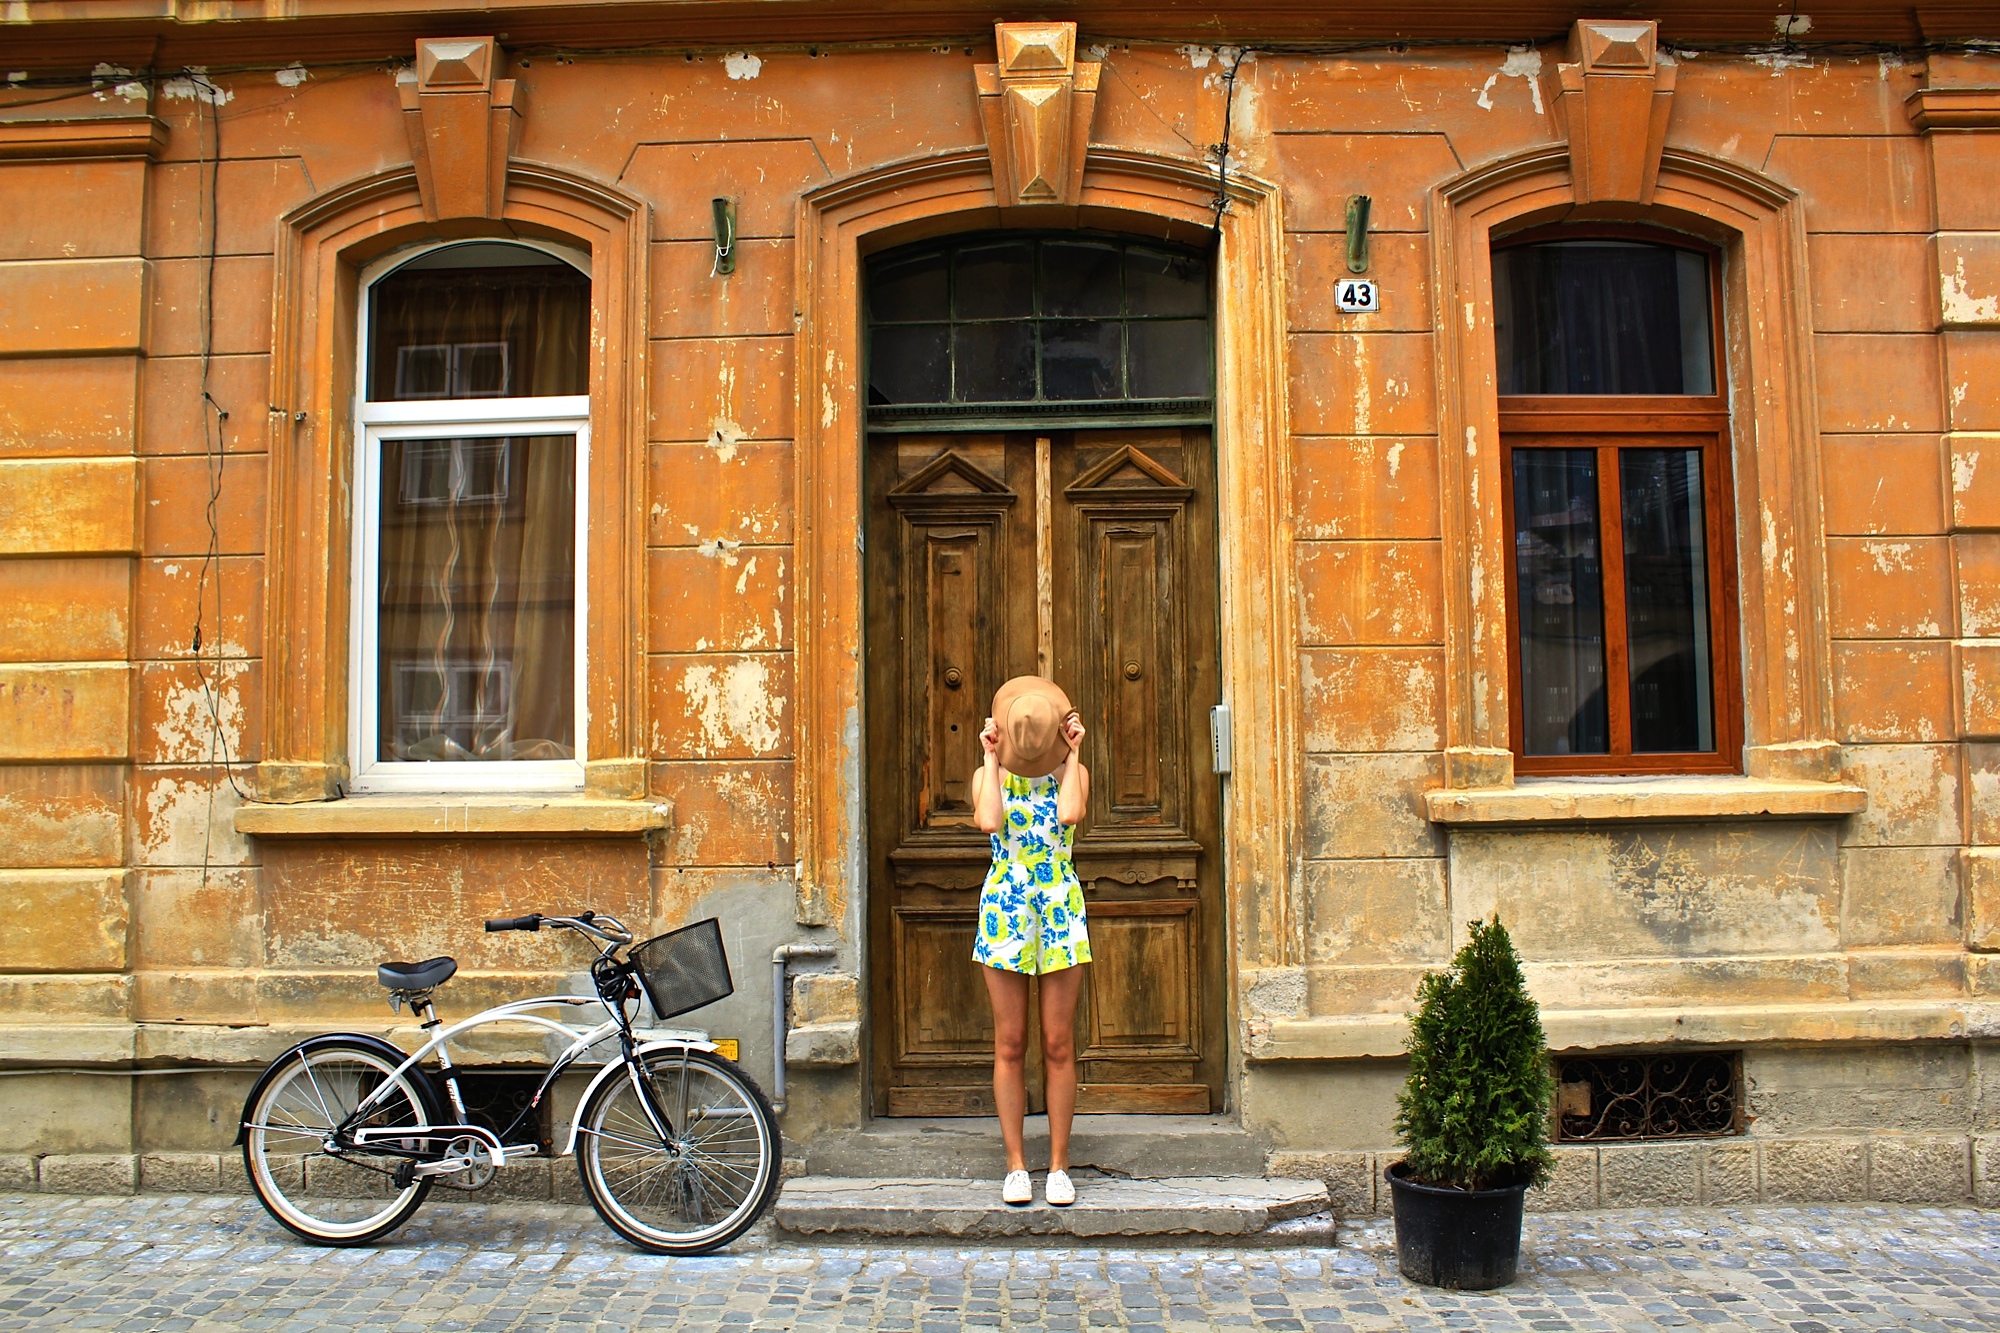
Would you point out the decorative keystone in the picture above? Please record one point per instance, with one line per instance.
(1611, 100)
(462, 122)
(1037, 103)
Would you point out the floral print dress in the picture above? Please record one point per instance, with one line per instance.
(1031, 909)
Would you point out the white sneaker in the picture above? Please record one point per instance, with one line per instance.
(1017, 1188)
(1057, 1189)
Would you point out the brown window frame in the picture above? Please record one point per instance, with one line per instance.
(1608, 423)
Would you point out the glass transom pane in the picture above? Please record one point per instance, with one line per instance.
(513, 330)
(1602, 317)
(1028, 321)
(476, 610)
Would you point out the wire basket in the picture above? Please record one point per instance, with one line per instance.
(684, 969)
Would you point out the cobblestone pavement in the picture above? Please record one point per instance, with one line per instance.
(160, 1263)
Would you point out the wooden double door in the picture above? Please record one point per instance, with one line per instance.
(1089, 557)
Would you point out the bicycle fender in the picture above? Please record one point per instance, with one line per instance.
(388, 1050)
(618, 1067)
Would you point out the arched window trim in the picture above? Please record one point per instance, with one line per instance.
(324, 246)
(379, 422)
(1786, 657)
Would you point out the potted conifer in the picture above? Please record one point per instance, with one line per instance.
(1473, 1119)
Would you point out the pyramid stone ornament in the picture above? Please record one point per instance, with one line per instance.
(462, 121)
(1036, 103)
(1611, 100)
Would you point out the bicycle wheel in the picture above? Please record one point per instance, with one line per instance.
(346, 1198)
(710, 1179)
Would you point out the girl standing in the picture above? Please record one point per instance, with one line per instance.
(1029, 795)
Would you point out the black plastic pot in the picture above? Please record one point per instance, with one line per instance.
(1465, 1240)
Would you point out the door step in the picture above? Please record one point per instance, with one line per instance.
(968, 1147)
(1240, 1209)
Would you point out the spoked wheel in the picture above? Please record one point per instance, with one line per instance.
(707, 1182)
(334, 1198)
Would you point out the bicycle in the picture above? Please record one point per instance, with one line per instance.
(344, 1135)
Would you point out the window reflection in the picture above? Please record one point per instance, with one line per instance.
(476, 616)
(1559, 574)
(1666, 599)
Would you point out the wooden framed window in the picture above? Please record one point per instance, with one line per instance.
(1621, 589)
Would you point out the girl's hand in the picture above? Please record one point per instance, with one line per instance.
(989, 738)
(1072, 731)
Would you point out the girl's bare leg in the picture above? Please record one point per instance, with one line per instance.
(1059, 992)
(1009, 993)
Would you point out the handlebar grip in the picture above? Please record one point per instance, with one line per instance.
(532, 921)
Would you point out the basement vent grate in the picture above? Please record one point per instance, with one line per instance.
(1606, 1098)
(497, 1099)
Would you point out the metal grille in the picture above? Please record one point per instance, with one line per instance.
(502, 1101)
(1678, 1096)
(684, 969)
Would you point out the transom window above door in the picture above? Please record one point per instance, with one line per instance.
(1615, 438)
(992, 330)
(470, 509)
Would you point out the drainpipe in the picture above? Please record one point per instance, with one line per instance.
(780, 956)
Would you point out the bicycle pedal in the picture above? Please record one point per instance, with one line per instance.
(406, 1174)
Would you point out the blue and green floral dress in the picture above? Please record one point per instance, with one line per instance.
(1031, 909)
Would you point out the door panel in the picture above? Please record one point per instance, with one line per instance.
(981, 552)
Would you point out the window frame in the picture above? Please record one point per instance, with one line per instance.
(1606, 424)
(462, 418)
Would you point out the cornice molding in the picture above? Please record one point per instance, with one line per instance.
(1933, 109)
(101, 137)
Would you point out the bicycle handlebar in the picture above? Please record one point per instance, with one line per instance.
(600, 925)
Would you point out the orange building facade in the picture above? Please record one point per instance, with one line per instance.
(458, 460)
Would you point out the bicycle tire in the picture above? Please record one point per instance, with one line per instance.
(321, 1197)
(728, 1151)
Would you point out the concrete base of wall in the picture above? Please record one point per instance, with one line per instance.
(1885, 1168)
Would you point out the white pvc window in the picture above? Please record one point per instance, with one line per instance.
(471, 508)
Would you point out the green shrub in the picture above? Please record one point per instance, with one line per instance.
(1475, 1111)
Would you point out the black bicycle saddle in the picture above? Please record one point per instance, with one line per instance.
(417, 976)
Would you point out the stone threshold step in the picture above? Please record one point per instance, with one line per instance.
(1244, 1209)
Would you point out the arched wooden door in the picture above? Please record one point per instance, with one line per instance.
(1089, 556)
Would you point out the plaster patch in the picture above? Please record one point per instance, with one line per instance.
(1395, 457)
(1792, 25)
(1964, 466)
(1780, 61)
(1521, 62)
(183, 822)
(107, 74)
(196, 84)
(721, 548)
(723, 437)
(734, 706)
(742, 65)
(1198, 57)
(1889, 557)
(185, 732)
(1961, 306)
(17, 76)
(292, 75)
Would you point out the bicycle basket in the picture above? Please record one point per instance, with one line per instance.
(684, 969)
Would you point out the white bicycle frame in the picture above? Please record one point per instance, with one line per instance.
(520, 1011)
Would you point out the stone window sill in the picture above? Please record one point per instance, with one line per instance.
(1586, 800)
(430, 816)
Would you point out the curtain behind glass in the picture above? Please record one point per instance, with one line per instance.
(510, 332)
(1601, 317)
(477, 625)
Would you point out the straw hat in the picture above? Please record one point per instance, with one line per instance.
(1029, 710)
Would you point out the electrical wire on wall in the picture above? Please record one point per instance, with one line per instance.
(1220, 151)
(215, 453)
